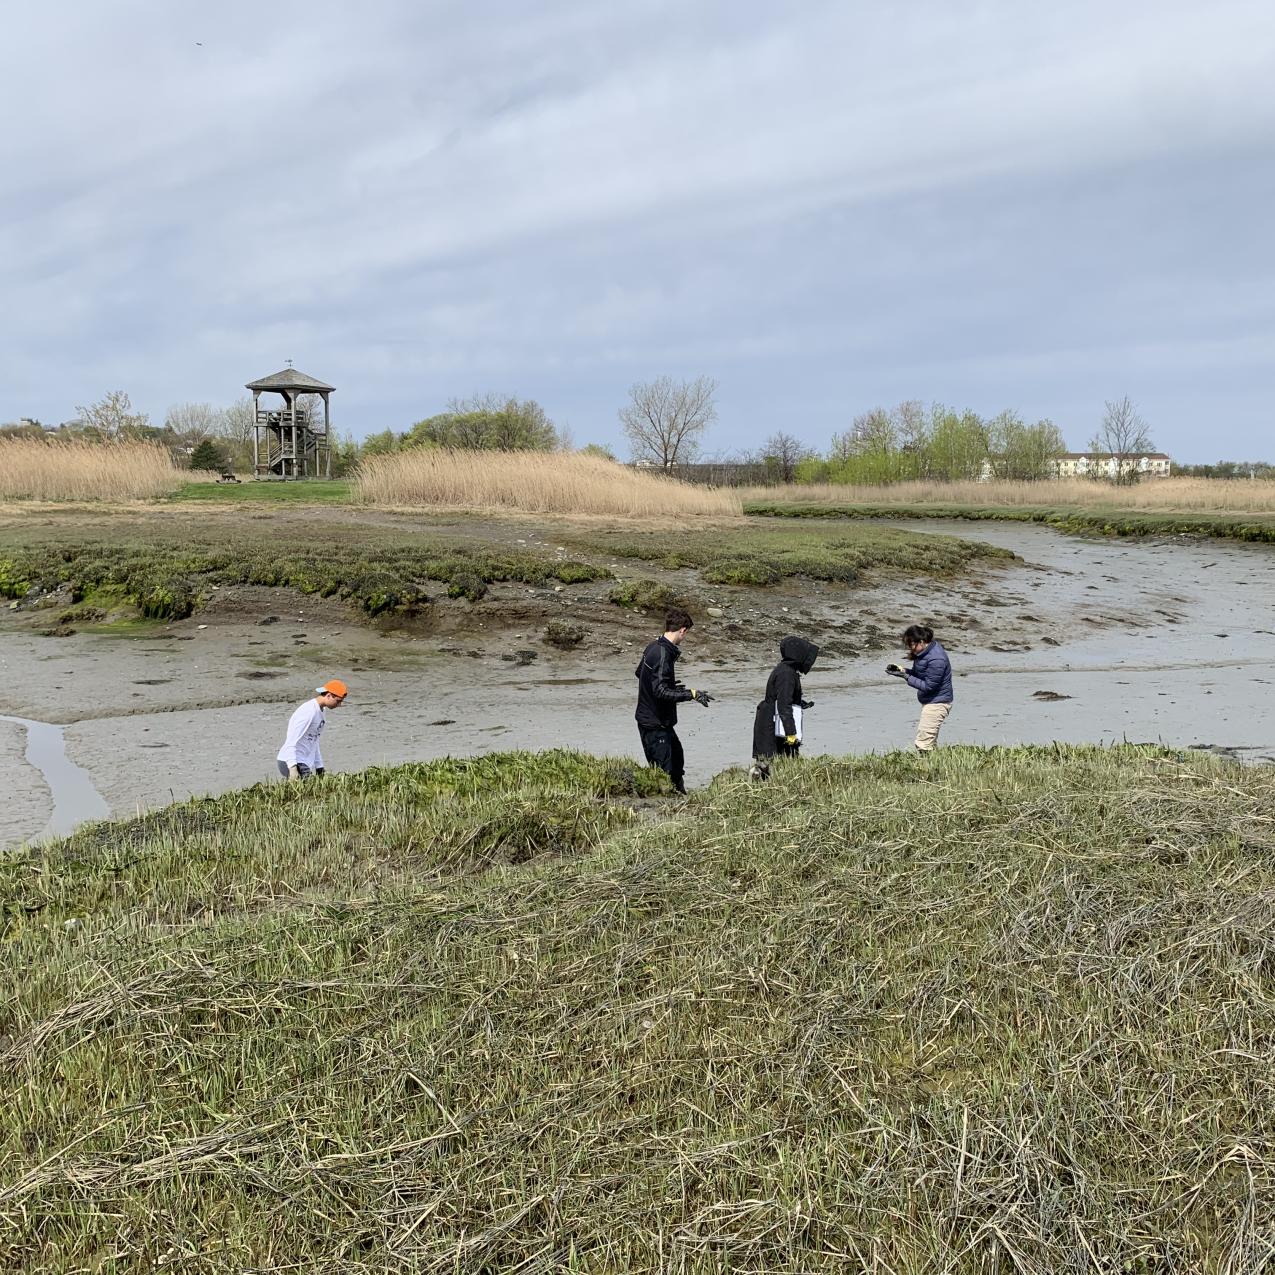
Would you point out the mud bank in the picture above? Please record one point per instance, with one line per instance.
(1092, 640)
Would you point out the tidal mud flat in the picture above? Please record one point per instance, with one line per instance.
(1085, 639)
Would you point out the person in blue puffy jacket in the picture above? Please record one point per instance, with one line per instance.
(931, 677)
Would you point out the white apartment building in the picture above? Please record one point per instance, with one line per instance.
(1091, 464)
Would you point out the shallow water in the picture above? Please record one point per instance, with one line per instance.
(75, 799)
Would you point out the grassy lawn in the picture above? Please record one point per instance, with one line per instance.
(994, 1010)
(335, 491)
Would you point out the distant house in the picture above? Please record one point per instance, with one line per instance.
(1101, 464)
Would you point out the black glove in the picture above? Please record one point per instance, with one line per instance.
(703, 697)
(320, 771)
(895, 671)
(805, 704)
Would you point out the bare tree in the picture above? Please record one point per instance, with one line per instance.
(874, 432)
(665, 419)
(191, 421)
(784, 453)
(112, 416)
(910, 424)
(1122, 437)
(235, 423)
(312, 406)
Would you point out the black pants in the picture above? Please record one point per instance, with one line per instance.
(663, 749)
(785, 749)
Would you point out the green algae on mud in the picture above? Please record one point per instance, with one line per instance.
(1102, 520)
(167, 569)
(168, 579)
(933, 1009)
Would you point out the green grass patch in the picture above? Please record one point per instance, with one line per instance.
(305, 491)
(1103, 520)
(166, 572)
(753, 555)
(989, 1010)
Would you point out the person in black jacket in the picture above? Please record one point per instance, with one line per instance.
(777, 726)
(659, 694)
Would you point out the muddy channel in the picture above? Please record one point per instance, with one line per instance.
(1086, 639)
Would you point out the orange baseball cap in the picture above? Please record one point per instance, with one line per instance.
(333, 688)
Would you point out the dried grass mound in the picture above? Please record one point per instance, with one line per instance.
(533, 482)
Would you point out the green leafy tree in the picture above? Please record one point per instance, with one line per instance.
(345, 455)
(957, 445)
(487, 422)
(379, 444)
(1020, 451)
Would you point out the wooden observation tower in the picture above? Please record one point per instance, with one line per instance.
(291, 442)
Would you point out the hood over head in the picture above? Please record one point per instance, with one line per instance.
(799, 652)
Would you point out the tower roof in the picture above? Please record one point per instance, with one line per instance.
(290, 379)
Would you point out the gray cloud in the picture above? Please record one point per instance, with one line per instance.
(824, 206)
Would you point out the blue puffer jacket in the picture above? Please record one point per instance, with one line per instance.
(931, 675)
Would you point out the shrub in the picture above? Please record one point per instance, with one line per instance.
(643, 593)
(208, 456)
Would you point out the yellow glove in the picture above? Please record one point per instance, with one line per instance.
(792, 739)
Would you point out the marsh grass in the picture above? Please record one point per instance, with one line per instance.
(990, 1011)
(533, 482)
(35, 470)
(1161, 495)
(757, 554)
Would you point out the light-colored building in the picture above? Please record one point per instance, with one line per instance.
(1101, 464)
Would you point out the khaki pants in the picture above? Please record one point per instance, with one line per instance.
(927, 731)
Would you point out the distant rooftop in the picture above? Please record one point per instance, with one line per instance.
(1107, 456)
(290, 379)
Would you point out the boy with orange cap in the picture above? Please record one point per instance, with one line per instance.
(299, 758)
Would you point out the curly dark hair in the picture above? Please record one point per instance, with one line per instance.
(676, 619)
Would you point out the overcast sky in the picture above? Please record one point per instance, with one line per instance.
(825, 206)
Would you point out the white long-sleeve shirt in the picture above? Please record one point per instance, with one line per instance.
(301, 748)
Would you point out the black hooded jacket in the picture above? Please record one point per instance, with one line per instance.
(783, 690)
(658, 692)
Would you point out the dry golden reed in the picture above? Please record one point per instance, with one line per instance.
(533, 482)
(33, 470)
(1166, 494)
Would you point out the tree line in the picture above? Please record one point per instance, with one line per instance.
(665, 422)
